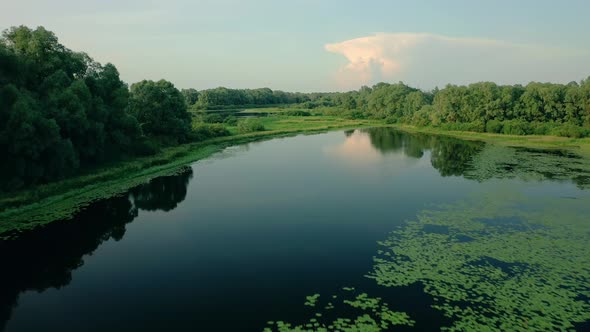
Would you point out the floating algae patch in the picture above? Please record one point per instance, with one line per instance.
(311, 300)
(351, 312)
(436, 229)
(527, 271)
(496, 161)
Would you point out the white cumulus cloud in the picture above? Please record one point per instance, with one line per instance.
(429, 60)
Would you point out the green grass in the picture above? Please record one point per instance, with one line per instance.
(578, 145)
(60, 200)
(43, 204)
(277, 123)
(272, 110)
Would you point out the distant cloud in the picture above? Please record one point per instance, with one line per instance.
(427, 60)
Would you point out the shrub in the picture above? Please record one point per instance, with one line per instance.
(516, 127)
(231, 121)
(353, 115)
(390, 120)
(146, 147)
(476, 126)
(250, 125)
(296, 113)
(421, 118)
(494, 126)
(213, 118)
(435, 118)
(569, 130)
(541, 128)
(203, 131)
(331, 111)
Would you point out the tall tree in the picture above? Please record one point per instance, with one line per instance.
(160, 109)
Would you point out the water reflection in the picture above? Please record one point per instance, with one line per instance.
(163, 193)
(386, 140)
(357, 148)
(450, 156)
(495, 262)
(500, 162)
(470, 159)
(45, 258)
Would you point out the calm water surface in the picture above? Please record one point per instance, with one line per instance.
(450, 233)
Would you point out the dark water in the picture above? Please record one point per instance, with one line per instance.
(242, 238)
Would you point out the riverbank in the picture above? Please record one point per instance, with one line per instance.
(579, 146)
(27, 209)
(43, 204)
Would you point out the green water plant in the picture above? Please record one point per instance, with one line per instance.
(371, 314)
(498, 262)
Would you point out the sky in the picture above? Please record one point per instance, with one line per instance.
(307, 45)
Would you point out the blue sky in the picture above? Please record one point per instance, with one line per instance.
(304, 45)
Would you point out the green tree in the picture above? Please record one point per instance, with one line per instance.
(191, 96)
(161, 110)
(59, 111)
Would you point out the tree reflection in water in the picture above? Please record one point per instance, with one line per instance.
(163, 193)
(45, 258)
(450, 156)
(480, 161)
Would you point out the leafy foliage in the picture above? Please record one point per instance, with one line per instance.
(161, 110)
(203, 131)
(59, 110)
(296, 113)
(62, 113)
(537, 108)
(224, 97)
(250, 125)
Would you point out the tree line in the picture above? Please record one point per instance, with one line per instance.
(62, 112)
(537, 108)
(221, 97)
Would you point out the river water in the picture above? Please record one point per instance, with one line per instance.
(372, 229)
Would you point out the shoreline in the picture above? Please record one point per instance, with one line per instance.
(43, 204)
(580, 146)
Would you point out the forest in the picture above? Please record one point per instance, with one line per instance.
(534, 109)
(537, 108)
(62, 113)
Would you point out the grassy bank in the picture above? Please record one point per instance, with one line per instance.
(580, 146)
(42, 204)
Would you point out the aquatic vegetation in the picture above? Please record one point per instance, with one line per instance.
(497, 262)
(311, 300)
(480, 161)
(370, 314)
(496, 161)
(504, 263)
(162, 193)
